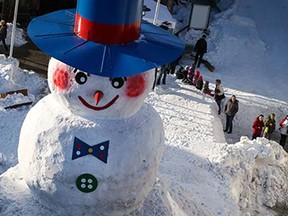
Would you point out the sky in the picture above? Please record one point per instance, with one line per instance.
(203, 171)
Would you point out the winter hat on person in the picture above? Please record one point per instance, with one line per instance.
(200, 77)
(206, 82)
(197, 73)
(106, 38)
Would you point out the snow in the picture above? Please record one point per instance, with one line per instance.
(19, 36)
(203, 171)
(163, 14)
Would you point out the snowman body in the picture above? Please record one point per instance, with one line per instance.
(80, 158)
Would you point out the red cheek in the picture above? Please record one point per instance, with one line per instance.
(61, 78)
(135, 85)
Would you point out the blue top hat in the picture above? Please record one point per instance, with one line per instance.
(105, 38)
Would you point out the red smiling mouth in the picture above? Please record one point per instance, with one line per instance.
(98, 108)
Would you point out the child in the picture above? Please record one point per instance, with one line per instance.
(185, 74)
(206, 89)
(195, 77)
(199, 84)
(179, 72)
(190, 74)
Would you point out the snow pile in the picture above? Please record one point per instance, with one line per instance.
(14, 78)
(257, 174)
(7, 68)
(246, 39)
(19, 36)
(245, 43)
(11, 120)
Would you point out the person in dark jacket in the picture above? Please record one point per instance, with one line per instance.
(163, 73)
(257, 126)
(3, 33)
(173, 65)
(270, 125)
(201, 49)
(231, 108)
(164, 68)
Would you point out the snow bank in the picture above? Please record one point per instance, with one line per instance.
(19, 36)
(257, 174)
(235, 36)
(11, 120)
(13, 78)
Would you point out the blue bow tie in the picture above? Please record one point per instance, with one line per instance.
(99, 151)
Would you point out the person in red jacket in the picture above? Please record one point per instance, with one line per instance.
(257, 126)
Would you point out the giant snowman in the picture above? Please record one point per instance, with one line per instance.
(92, 147)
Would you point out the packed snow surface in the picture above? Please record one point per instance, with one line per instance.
(203, 171)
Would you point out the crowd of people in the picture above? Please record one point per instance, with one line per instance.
(268, 127)
(189, 75)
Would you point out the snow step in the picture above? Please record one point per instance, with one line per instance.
(18, 105)
(22, 91)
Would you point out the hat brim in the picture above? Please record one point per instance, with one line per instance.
(54, 34)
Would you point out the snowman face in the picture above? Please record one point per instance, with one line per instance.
(97, 97)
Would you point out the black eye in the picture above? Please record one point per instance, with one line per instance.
(118, 82)
(81, 78)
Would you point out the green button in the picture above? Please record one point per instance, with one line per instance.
(86, 183)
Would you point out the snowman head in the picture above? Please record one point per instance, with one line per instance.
(97, 97)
